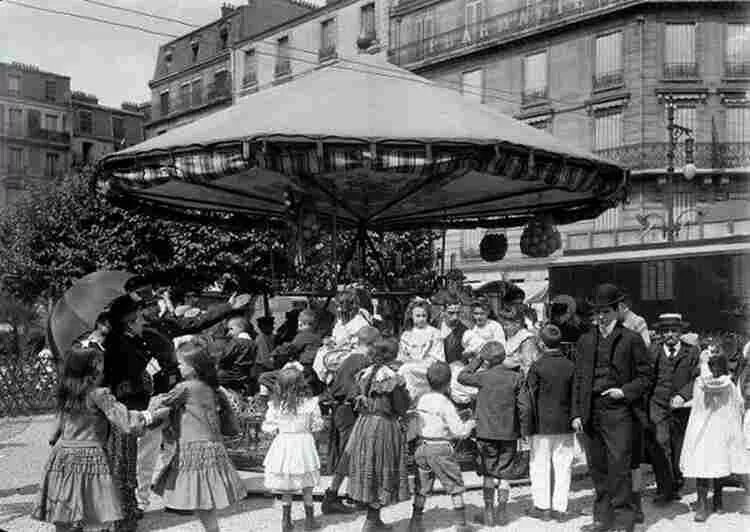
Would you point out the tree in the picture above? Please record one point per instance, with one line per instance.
(60, 231)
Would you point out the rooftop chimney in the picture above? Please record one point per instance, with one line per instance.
(226, 10)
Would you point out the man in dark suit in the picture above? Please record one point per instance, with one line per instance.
(675, 368)
(612, 371)
(452, 330)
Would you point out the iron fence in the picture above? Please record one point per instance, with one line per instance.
(653, 155)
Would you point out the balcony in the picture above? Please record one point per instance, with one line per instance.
(677, 71)
(218, 91)
(535, 96)
(282, 69)
(650, 156)
(608, 80)
(327, 54)
(505, 26)
(737, 69)
(62, 137)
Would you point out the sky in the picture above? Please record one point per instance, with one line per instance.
(112, 63)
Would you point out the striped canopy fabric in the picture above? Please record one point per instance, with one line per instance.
(378, 146)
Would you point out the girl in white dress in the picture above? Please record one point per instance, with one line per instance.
(420, 345)
(292, 463)
(484, 330)
(714, 445)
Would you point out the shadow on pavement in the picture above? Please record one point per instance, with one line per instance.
(160, 519)
(14, 510)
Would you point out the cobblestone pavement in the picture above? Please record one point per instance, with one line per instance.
(23, 452)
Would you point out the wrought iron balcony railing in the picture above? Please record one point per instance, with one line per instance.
(737, 69)
(504, 25)
(608, 80)
(681, 70)
(218, 91)
(649, 156)
(534, 96)
(62, 137)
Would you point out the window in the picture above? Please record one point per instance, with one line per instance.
(34, 121)
(50, 122)
(679, 53)
(50, 90)
(223, 38)
(85, 122)
(367, 21)
(685, 116)
(609, 220)
(738, 50)
(185, 96)
(87, 149)
(424, 33)
(657, 280)
(197, 91)
(473, 19)
(608, 71)
(118, 127)
(283, 63)
(15, 161)
(14, 85)
(327, 39)
(472, 85)
(51, 164)
(738, 124)
(534, 78)
(195, 47)
(221, 84)
(608, 129)
(164, 103)
(251, 68)
(15, 121)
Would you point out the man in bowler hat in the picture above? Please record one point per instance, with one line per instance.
(675, 368)
(612, 371)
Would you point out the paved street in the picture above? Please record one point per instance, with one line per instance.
(23, 449)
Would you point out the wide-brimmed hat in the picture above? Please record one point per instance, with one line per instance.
(670, 321)
(607, 295)
(123, 306)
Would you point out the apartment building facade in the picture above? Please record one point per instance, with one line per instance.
(99, 130)
(35, 127)
(600, 73)
(340, 30)
(193, 73)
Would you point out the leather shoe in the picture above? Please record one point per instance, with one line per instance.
(538, 513)
(664, 500)
(596, 526)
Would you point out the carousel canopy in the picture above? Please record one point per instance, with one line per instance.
(377, 145)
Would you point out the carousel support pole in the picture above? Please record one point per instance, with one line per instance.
(442, 254)
(347, 259)
(380, 261)
(335, 241)
(266, 305)
(362, 245)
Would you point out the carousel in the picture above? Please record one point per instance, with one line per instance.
(372, 150)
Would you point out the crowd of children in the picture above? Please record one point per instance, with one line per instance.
(386, 398)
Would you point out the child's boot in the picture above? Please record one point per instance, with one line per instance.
(502, 506)
(460, 520)
(718, 499)
(488, 516)
(638, 504)
(701, 507)
(332, 505)
(416, 524)
(310, 522)
(373, 523)
(286, 518)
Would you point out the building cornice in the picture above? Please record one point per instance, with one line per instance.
(192, 69)
(97, 107)
(289, 24)
(11, 100)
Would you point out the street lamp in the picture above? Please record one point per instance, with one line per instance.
(675, 131)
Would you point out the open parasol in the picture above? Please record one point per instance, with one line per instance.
(75, 313)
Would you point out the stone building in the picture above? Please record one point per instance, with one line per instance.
(600, 73)
(35, 127)
(193, 74)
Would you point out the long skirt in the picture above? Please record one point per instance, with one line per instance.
(200, 476)
(122, 449)
(77, 487)
(375, 462)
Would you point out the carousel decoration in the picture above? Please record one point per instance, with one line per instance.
(540, 238)
(493, 247)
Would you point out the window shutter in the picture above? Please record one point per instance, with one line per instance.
(535, 72)
(609, 53)
(680, 44)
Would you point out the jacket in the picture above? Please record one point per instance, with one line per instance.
(545, 405)
(630, 366)
(497, 400)
(685, 372)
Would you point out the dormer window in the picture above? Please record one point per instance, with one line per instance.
(195, 46)
(168, 57)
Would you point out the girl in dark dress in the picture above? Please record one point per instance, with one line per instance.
(374, 459)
